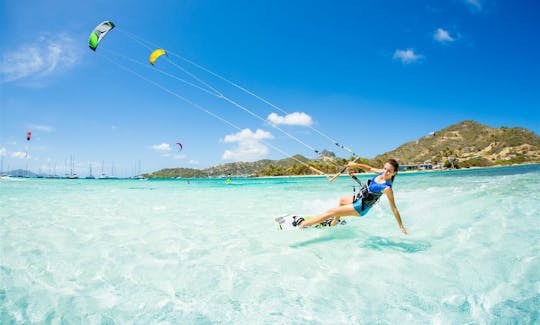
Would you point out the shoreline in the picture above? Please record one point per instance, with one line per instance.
(401, 172)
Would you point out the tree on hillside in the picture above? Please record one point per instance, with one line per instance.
(450, 155)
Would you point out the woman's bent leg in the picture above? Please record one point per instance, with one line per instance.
(344, 200)
(341, 211)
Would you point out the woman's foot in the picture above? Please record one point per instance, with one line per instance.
(298, 222)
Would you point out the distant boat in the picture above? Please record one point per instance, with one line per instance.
(105, 176)
(72, 175)
(2, 174)
(138, 174)
(113, 172)
(90, 176)
(54, 174)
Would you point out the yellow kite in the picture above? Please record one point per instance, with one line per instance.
(156, 54)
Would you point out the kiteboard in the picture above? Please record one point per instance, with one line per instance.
(288, 222)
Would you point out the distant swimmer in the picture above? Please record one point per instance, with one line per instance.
(369, 194)
(229, 179)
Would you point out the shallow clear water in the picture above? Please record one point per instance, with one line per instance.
(202, 252)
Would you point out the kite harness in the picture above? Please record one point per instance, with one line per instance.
(368, 196)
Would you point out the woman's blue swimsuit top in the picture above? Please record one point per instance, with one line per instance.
(368, 198)
(378, 188)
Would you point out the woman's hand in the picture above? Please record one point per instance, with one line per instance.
(403, 230)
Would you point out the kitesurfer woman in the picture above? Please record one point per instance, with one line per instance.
(366, 198)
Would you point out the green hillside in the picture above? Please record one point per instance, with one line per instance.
(469, 143)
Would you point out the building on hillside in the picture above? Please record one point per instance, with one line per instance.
(416, 166)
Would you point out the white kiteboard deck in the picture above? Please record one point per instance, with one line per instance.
(288, 222)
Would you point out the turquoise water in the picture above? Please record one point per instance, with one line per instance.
(203, 252)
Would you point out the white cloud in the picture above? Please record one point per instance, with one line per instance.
(162, 148)
(249, 147)
(296, 118)
(46, 56)
(475, 4)
(194, 162)
(247, 135)
(3, 151)
(43, 128)
(442, 36)
(19, 154)
(407, 56)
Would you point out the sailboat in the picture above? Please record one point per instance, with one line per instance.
(138, 174)
(71, 174)
(113, 176)
(2, 174)
(105, 176)
(90, 176)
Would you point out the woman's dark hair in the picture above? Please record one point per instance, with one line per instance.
(394, 164)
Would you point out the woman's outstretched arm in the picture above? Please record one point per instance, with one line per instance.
(366, 168)
(390, 194)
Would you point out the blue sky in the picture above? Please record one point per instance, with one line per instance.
(369, 74)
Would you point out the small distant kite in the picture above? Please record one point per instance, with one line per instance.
(98, 33)
(180, 147)
(155, 55)
(28, 135)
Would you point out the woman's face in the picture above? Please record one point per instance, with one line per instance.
(388, 171)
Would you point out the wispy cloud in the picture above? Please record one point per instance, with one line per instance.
(442, 36)
(475, 4)
(42, 128)
(407, 56)
(249, 147)
(162, 148)
(19, 154)
(296, 118)
(47, 56)
(3, 151)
